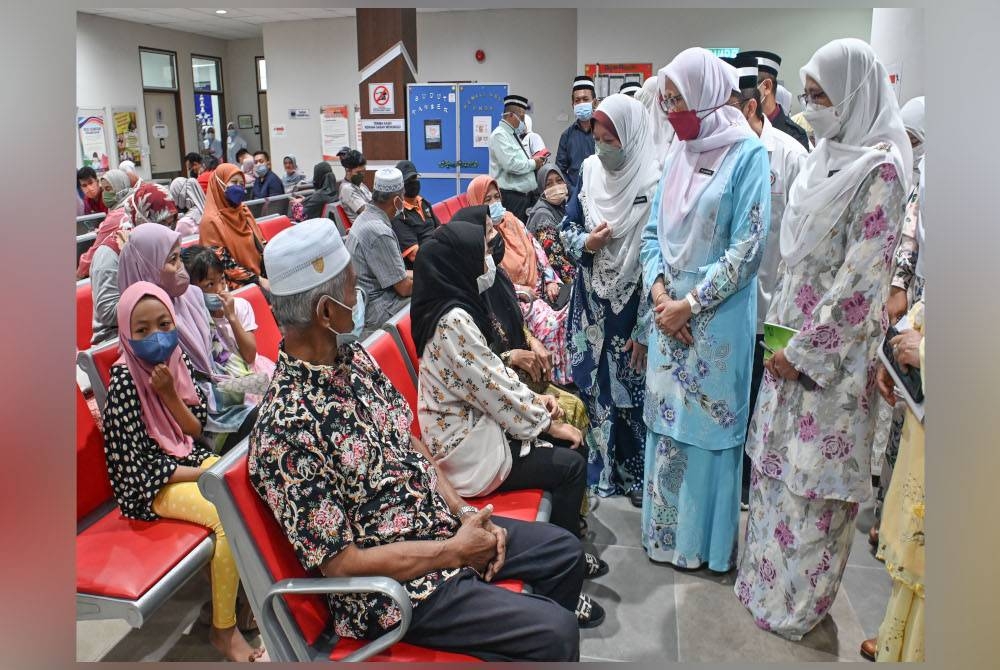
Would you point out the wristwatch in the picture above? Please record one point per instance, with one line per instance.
(467, 509)
(695, 305)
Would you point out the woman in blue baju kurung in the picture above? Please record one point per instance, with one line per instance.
(700, 252)
(609, 318)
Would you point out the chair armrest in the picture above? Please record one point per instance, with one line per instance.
(384, 585)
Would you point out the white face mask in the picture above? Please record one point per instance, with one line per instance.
(485, 281)
(825, 121)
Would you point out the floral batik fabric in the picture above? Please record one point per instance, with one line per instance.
(330, 455)
(611, 389)
(698, 396)
(693, 519)
(794, 556)
(814, 446)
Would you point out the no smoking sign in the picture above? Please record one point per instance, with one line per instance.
(382, 98)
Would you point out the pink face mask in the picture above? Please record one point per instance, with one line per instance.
(556, 194)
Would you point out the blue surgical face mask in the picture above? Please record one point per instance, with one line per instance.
(497, 210)
(357, 317)
(584, 110)
(235, 194)
(260, 170)
(232, 133)
(213, 302)
(155, 348)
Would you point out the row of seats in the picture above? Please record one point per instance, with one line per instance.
(126, 569)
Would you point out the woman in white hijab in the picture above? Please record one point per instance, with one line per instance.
(700, 253)
(662, 133)
(811, 435)
(608, 318)
(190, 200)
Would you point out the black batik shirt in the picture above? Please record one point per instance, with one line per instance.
(331, 456)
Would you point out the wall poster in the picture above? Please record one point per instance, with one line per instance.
(126, 123)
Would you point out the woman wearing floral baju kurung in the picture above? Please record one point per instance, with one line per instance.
(609, 319)
(810, 449)
(700, 253)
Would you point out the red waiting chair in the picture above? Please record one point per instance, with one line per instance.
(390, 359)
(268, 334)
(125, 569)
(273, 225)
(288, 602)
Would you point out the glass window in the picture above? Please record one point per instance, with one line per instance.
(159, 70)
(207, 73)
(261, 75)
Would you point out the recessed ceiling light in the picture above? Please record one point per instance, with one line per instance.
(221, 11)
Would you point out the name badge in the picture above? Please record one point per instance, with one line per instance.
(706, 171)
(641, 200)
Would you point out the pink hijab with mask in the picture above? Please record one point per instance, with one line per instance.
(142, 260)
(160, 423)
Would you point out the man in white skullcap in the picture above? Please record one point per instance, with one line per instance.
(375, 251)
(332, 456)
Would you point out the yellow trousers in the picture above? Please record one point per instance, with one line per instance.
(183, 501)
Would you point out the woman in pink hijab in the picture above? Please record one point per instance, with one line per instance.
(153, 417)
(152, 254)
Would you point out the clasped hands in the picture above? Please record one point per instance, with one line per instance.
(481, 544)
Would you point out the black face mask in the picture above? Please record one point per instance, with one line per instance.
(411, 189)
(497, 249)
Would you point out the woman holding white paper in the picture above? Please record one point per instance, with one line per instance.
(810, 449)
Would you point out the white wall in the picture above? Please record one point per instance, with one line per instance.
(240, 81)
(108, 73)
(657, 35)
(309, 63)
(532, 50)
(899, 39)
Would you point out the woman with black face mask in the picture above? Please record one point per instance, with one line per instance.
(417, 222)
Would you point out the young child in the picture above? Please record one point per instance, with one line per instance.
(232, 316)
(153, 417)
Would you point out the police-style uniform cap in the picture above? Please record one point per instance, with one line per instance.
(746, 69)
(388, 180)
(517, 100)
(408, 169)
(629, 88)
(304, 256)
(766, 61)
(583, 83)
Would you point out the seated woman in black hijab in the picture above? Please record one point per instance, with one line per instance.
(482, 424)
(325, 183)
(510, 339)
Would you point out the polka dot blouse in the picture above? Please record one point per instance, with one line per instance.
(137, 467)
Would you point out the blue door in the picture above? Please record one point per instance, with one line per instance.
(433, 138)
(448, 134)
(480, 108)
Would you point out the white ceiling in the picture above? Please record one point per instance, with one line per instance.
(235, 24)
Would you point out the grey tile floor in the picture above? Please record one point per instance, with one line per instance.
(654, 613)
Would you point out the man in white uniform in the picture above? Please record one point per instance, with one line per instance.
(787, 157)
(234, 142)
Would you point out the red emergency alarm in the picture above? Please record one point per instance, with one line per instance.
(480, 55)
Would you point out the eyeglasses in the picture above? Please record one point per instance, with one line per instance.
(668, 104)
(806, 98)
